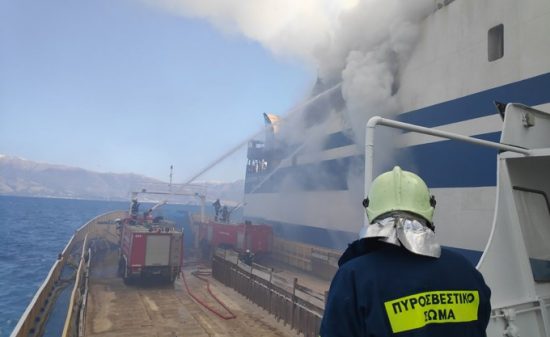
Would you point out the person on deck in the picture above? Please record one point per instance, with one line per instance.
(148, 215)
(396, 280)
(225, 214)
(217, 205)
(248, 257)
(135, 208)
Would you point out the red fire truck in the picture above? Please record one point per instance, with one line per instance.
(149, 250)
(241, 237)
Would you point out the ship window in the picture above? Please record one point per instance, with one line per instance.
(496, 43)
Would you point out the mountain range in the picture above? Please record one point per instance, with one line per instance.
(23, 177)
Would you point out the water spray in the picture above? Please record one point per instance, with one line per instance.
(266, 178)
(234, 149)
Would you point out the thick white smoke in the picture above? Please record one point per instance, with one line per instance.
(368, 82)
(361, 44)
(285, 27)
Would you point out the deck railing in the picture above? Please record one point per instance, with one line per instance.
(71, 325)
(36, 313)
(295, 304)
(76, 309)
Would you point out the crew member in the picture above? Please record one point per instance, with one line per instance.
(225, 214)
(217, 205)
(135, 208)
(248, 257)
(396, 280)
(148, 215)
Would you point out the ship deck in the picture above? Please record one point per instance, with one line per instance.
(117, 309)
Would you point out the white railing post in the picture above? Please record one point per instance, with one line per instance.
(377, 120)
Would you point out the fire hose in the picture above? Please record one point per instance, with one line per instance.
(199, 275)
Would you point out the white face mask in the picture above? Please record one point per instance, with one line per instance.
(403, 230)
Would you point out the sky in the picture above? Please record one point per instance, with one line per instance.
(140, 85)
(123, 86)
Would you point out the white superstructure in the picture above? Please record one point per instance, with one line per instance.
(469, 54)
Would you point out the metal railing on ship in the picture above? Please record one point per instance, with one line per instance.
(33, 319)
(76, 311)
(298, 306)
(71, 324)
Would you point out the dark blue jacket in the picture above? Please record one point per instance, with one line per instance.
(384, 290)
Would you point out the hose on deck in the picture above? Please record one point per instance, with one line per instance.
(199, 275)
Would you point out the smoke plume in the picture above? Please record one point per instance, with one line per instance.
(363, 45)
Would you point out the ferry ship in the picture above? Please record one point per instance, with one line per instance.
(471, 59)
(475, 113)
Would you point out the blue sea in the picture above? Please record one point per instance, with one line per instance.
(33, 231)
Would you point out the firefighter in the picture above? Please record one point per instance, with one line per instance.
(225, 214)
(396, 280)
(217, 205)
(135, 208)
(248, 257)
(148, 215)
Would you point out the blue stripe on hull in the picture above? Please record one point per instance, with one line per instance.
(465, 165)
(452, 163)
(334, 239)
(531, 91)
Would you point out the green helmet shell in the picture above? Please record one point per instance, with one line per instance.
(399, 190)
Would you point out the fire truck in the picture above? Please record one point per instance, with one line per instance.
(241, 237)
(150, 248)
(150, 251)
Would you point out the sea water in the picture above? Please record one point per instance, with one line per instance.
(33, 231)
